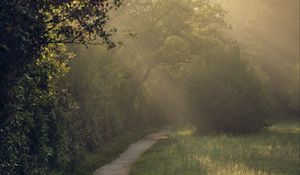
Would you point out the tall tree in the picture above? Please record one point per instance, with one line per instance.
(36, 115)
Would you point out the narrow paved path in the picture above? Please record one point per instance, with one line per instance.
(121, 165)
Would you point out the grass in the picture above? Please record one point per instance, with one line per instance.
(110, 151)
(274, 152)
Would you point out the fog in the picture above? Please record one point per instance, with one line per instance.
(176, 55)
(82, 79)
(272, 23)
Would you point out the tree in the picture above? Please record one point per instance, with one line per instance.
(37, 115)
(226, 95)
(164, 36)
(183, 27)
(268, 33)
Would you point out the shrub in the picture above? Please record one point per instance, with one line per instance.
(226, 95)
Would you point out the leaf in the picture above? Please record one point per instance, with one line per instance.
(4, 48)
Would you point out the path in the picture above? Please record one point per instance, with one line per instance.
(121, 165)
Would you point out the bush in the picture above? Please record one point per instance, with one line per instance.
(227, 95)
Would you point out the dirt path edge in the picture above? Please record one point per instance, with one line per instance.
(122, 165)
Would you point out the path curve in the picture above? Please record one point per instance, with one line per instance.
(121, 165)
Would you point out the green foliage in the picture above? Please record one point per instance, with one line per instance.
(168, 32)
(184, 40)
(38, 131)
(226, 95)
(38, 116)
(109, 98)
(96, 84)
(54, 110)
(162, 38)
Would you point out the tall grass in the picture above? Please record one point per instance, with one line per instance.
(274, 152)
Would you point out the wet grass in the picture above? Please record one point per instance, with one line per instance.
(273, 152)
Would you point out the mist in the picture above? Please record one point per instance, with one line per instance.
(154, 46)
(86, 77)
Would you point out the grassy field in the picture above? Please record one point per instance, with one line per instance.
(274, 152)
